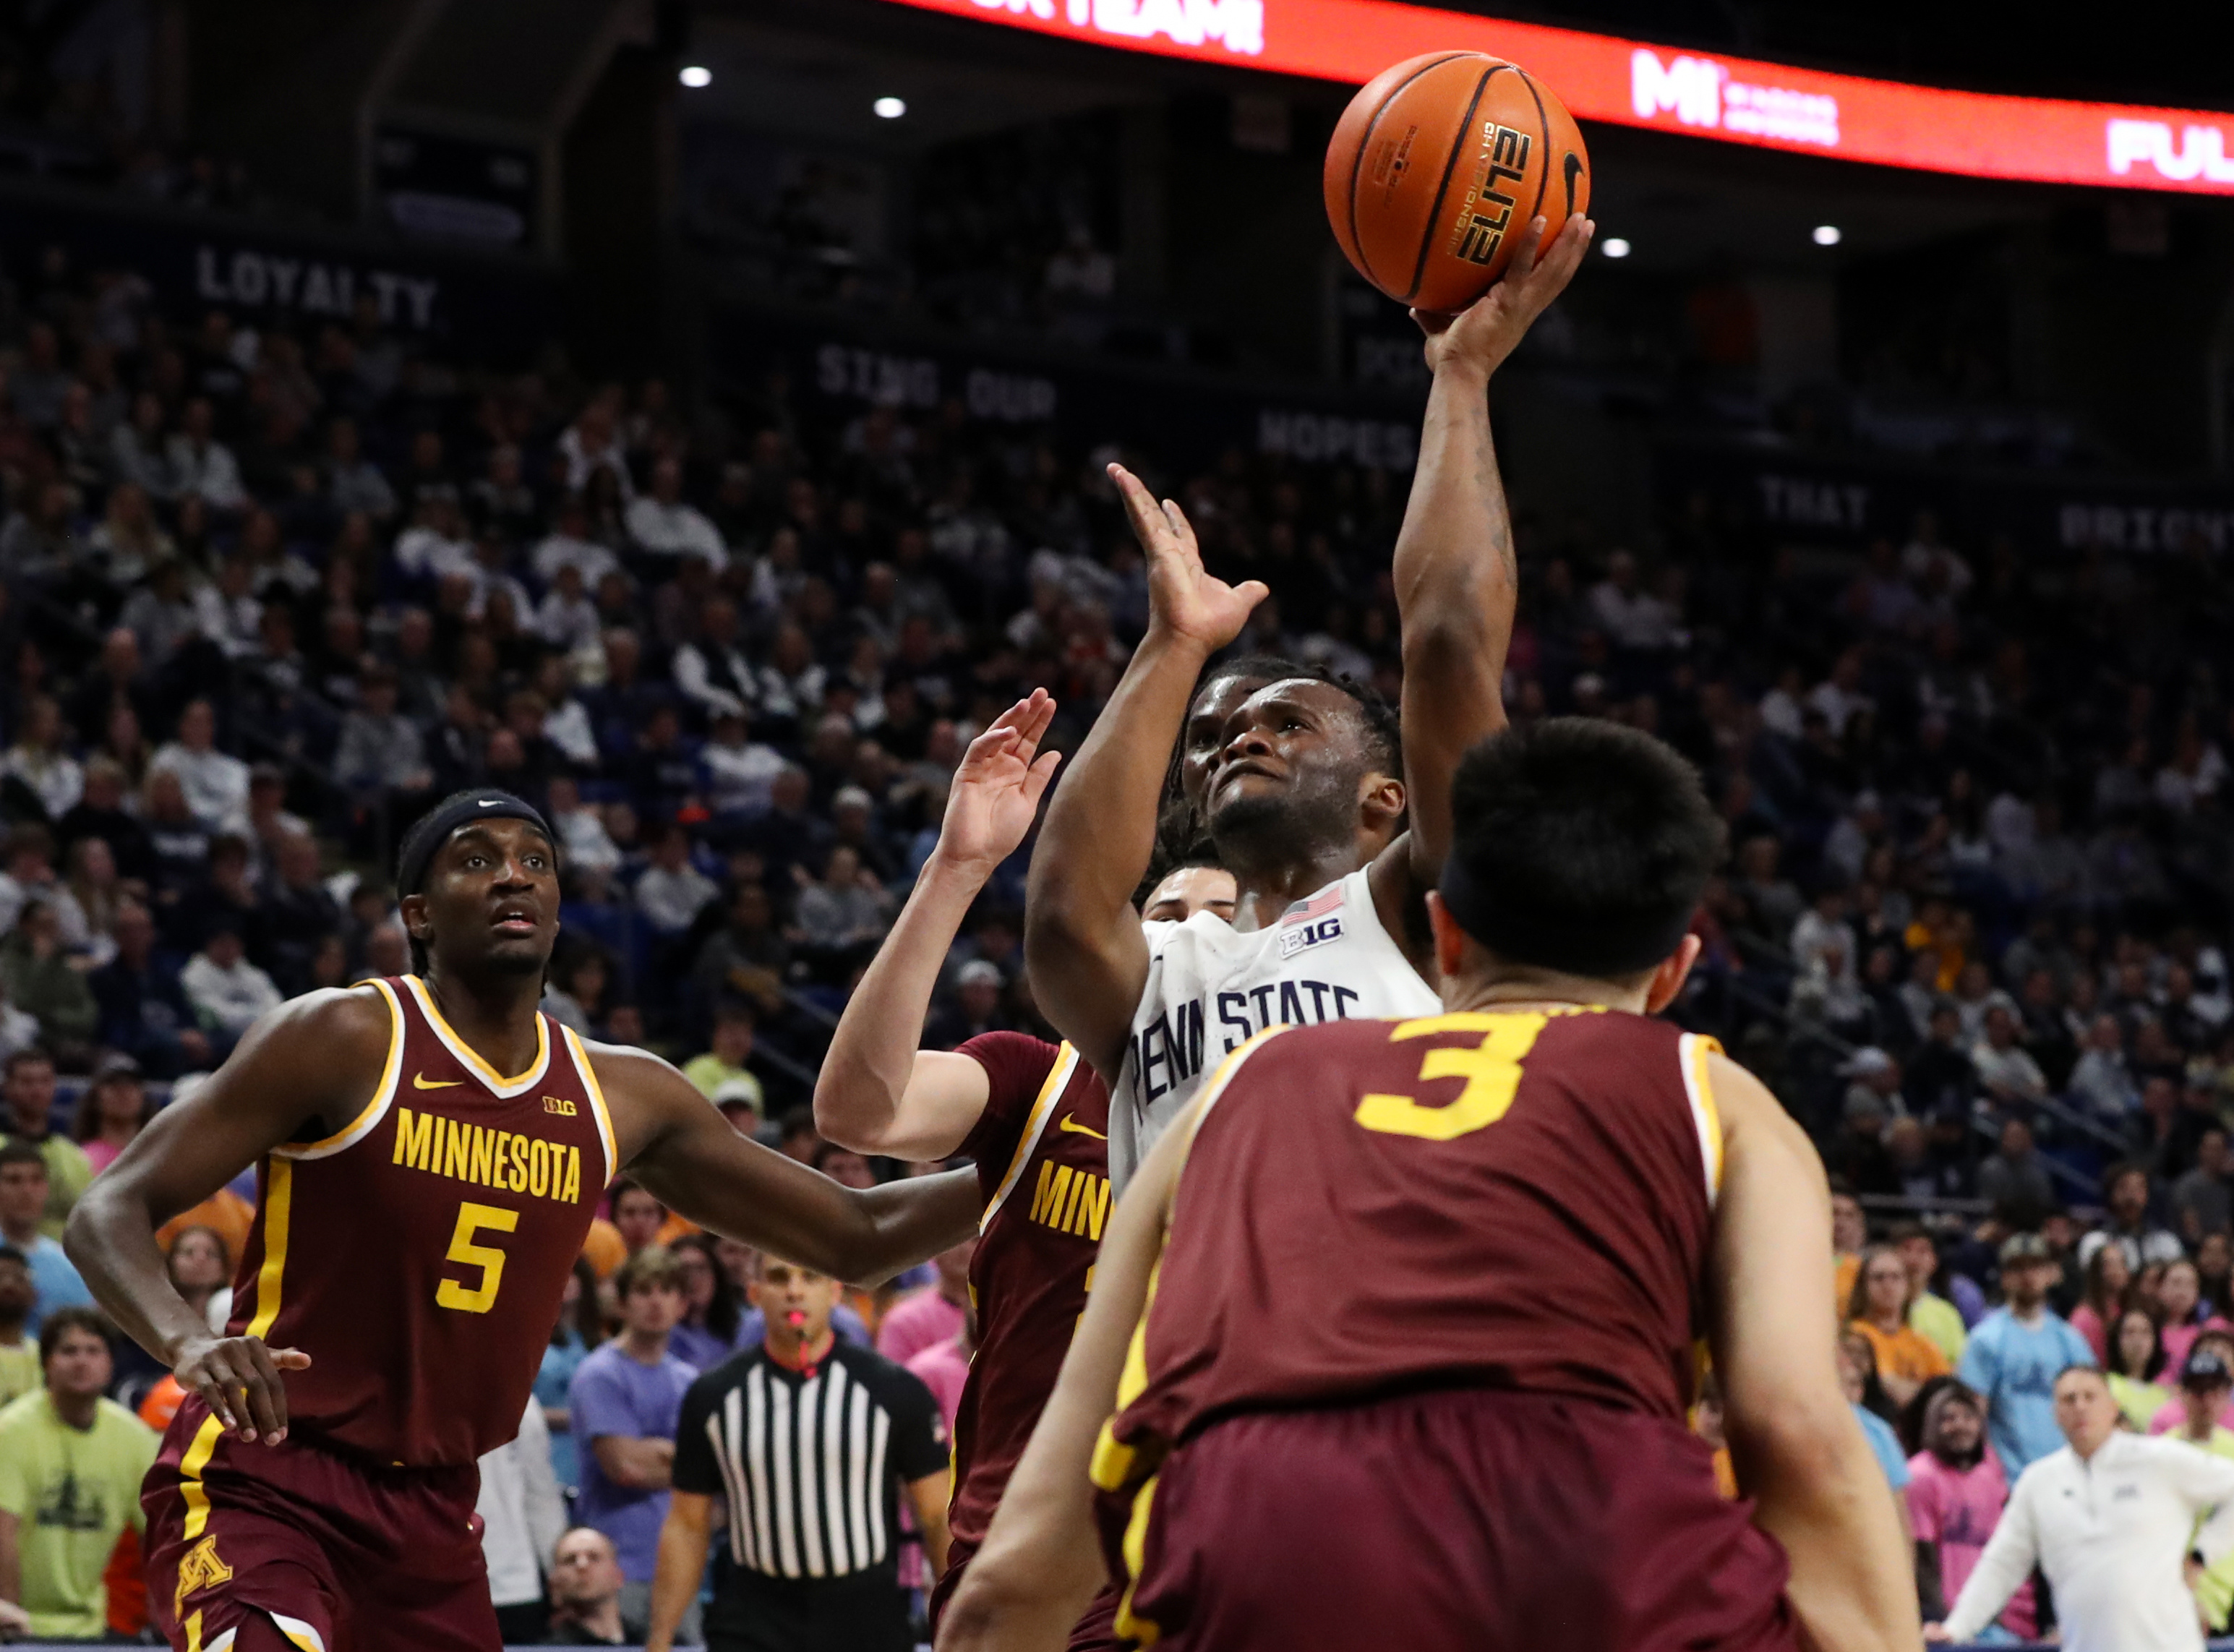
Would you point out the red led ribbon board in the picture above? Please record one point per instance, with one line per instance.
(1732, 100)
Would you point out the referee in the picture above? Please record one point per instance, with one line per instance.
(807, 1442)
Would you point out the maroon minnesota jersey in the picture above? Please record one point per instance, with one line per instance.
(417, 1255)
(1506, 1199)
(1042, 1153)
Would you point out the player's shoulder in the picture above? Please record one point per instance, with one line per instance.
(624, 1068)
(332, 1024)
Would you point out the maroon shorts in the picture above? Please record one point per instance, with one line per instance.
(341, 1555)
(1487, 1521)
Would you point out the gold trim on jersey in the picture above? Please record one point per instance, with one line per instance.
(1706, 1117)
(1128, 1624)
(1058, 1078)
(384, 1094)
(464, 1053)
(279, 1203)
(597, 1101)
(190, 1475)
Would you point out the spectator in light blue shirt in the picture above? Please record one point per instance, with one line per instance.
(22, 1202)
(2015, 1354)
(624, 1403)
(1885, 1445)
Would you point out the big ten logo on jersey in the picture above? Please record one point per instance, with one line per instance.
(1487, 212)
(1070, 1201)
(1310, 933)
(559, 1104)
(496, 1159)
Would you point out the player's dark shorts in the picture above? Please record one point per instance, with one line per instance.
(1095, 1632)
(1487, 1521)
(340, 1554)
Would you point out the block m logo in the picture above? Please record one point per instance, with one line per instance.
(1691, 87)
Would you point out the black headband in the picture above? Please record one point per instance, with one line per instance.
(433, 831)
(1521, 931)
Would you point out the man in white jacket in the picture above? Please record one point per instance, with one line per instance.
(2108, 1518)
(523, 1517)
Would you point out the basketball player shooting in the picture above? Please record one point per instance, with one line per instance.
(432, 1152)
(1299, 780)
(1033, 1116)
(1417, 1301)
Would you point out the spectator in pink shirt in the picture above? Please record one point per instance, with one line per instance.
(2179, 1304)
(944, 1367)
(113, 1109)
(1956, 1492)
(2175, 1413)
(932, 1315)
(2109, 1279)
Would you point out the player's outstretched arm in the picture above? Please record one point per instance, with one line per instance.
(314, 1062)
(1455, 572)
(1040, 1566)
(672, 1140)
(878, 1092)
(1082, 940)
(1793, 1440)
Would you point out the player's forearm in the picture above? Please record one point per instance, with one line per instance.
(11, 1558)
(865, 1076)
(1819, 1492)
(675, 1574)
(903, 1222)
(111, 1240)
(1456, 582)
(1094, 847)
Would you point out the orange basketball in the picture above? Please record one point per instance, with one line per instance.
(1436, 169)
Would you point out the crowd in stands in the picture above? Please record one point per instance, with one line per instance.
(266, 593)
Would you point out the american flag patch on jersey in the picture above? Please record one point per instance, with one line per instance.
(1326, 900)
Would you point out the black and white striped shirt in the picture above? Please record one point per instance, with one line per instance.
(811, 1470)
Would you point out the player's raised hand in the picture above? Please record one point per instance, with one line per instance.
(1482, 335)
(237, 1377)
(997, 788)
(1185, 599)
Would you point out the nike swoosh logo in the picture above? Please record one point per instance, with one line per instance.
(421, 1081)
(1069, 1123)
(491, 802)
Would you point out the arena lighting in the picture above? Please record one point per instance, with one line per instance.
(1827, 235)
(696, 76)
(889, 109)
(1732, 100)
(1614, 247)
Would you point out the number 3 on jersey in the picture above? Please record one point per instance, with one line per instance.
(1491, 1069)
(472, 1219)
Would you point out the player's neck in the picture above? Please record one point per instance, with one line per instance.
(1265, 889)
(795, 1354)
(495, 1017)
(1462, 993)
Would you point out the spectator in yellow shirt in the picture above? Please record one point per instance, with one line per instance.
(1934, 1318)
(1878, 1310)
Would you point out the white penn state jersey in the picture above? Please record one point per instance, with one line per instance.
(1211, 988)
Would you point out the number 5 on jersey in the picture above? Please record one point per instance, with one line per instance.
(472, 1219)
(1491, 1069)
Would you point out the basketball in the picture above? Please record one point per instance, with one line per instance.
(1436, 169)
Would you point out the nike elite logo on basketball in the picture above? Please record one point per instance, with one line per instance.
(1071, 1124)
(421, 1081)
(500, 1159)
